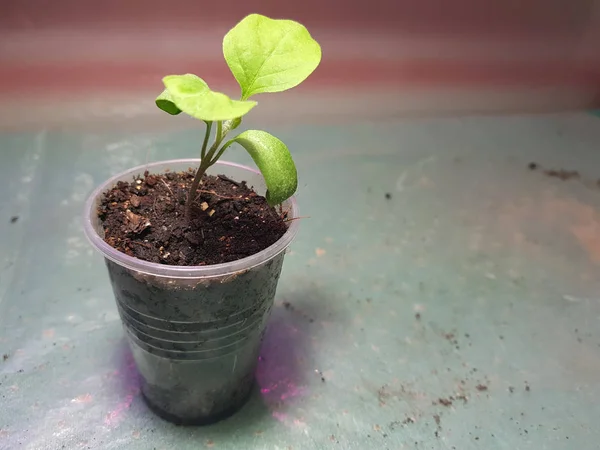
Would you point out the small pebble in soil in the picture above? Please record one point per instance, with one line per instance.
(14, 219)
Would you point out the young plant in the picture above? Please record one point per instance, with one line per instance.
(264, 55)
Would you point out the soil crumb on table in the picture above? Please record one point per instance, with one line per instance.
(561, 174)
(445, 402)
(145, 218)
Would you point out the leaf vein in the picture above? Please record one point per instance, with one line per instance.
(268, 57)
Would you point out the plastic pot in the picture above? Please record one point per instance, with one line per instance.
(195, 332)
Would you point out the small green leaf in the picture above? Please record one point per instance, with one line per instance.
(270, 55)
(274, 161)
(165, 102)
(192, 95)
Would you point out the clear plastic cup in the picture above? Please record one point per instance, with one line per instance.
(195, 332)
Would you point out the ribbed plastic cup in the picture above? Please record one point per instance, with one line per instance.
(195, 332)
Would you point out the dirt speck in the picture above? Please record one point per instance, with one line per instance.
(532, 166)
(418, 316)
(562, 174)
(388, 196)
(462, 397)
(394, 424)
(318, 372)
(5, 357)
(481, 387)
(14, 219)
(445, 402)
(287, 305)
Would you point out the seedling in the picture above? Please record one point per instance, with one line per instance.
(264, 55)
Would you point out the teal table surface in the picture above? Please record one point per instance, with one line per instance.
(440, 294)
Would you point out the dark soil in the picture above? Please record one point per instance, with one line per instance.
(146, 219)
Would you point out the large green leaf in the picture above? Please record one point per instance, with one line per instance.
(270, 55)
(192, 95)
(274, 161)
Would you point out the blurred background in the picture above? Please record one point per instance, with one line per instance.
(396, 57)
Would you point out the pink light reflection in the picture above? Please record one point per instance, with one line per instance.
(128, 377)
(279, 373)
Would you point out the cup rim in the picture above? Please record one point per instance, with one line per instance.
(170, 271)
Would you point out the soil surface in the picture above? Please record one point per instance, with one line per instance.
(145, 218)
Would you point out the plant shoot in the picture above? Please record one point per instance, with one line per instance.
(264, 55)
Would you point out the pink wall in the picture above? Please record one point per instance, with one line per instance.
(475, 18)
(72, 47)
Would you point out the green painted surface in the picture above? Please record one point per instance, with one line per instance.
(476, 272)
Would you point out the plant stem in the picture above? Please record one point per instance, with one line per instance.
(207, 160)
(220, 153)
(204, 164)
(222, 131)
(206, 137)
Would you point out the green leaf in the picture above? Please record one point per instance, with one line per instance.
(235, 123)
(192, 95)
(270, 55)
(274, 161)
(165, 102)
